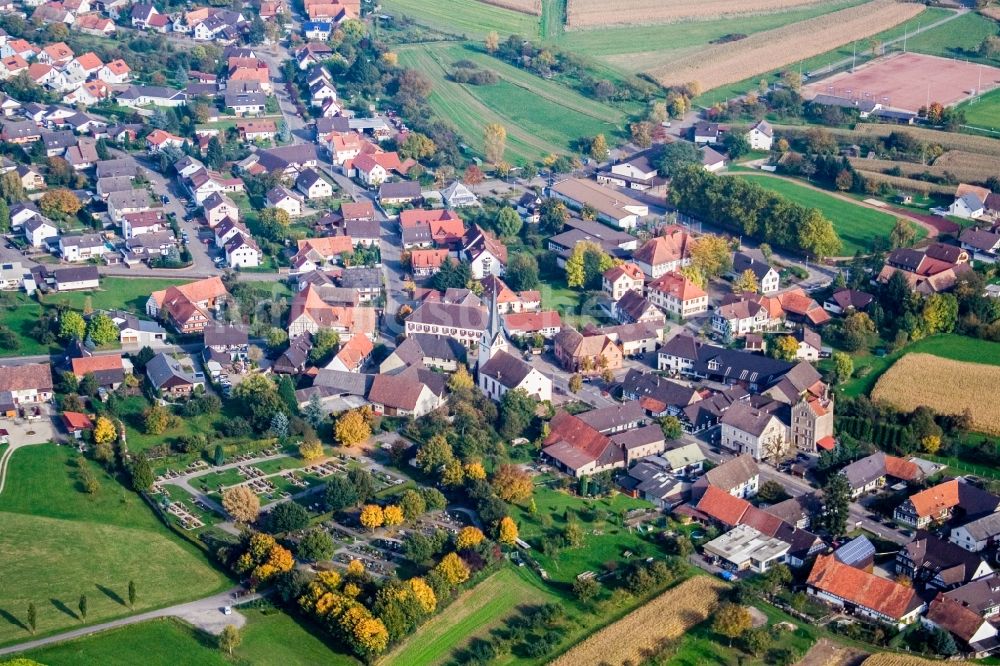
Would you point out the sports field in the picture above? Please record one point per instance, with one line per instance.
(856, 225)
(62, 543)
(472, 614)
(907, 80)
(523, 103)
(985, 111)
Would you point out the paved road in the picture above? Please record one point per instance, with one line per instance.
(589, 393)
(206, 614)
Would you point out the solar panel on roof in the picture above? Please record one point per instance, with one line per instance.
(855, 550)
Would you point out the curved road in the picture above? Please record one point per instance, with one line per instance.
(205, 614)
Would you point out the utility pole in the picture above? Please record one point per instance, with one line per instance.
(854, 57)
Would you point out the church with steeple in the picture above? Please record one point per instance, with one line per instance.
(499, 370)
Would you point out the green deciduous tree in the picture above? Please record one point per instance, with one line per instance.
(72, 326)
(102, 330)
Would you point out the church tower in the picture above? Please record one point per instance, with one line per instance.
(493, 338)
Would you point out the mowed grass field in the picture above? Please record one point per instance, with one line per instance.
(62, 543)
(606, 540)
(270, 638)
(541, 117)
(20, 313)
(957, 39)
(128, 293)
(473, 614)
(468, 18)
(985, 111)
(857, 225)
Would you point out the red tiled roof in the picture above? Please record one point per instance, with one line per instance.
(82, 366)
(722, 506)
(935, 499)
(861, 588)
(77, 421)
(901, 469)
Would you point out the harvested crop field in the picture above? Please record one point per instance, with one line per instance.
(906, 80)
(667, 616)
(947, 140)
(894, 659)
(601, 13)
(946, 386)
(533, 7)
(721, 64)
(910, 185)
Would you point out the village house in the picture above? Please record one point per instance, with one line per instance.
(403, 192)
(760, 136)
(464, 323)
(938, 503)
(635, 173)
(867, 595)
(743, 548)
(933, 270)
(527, 324)
(484, 253)
(84, 247)
(313, 185)
(242, 251)
(668, 252)
(933, 563)
(353, 355)
(109, 370)
(844, 301)
(757, 431)
(137, 332)
(979, 534)
(188, 307)
(634, 308)
(768, 280)
(38, 229)
(589, 354)
(870, 473)
(311, 311)
(675, 294)
(436, 352)
(170, 376)
(27, 384)
(284, 199)
(413, 392)
(618, 280)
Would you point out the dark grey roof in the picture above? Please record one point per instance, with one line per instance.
(933, 556)
(333, 124)
(120, 167)
(363, 229)
(743, 261)
(284, 156)
(225, 336)
(984, 528)
(635, 437)
(634, 305)
(862, 472)
(75, 274)
(505, 368)
(753, 420)
(733, 473)
(419, 346)
(162, 369)
(979, 595)
(403, 189)
(344, 383)
(728, 365)
(237, 98)
(613, 416)
(59, 139)
(450, 315)
(361, 277)
(639, 384)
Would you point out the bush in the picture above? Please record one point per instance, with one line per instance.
(286, 517)
(236, 427)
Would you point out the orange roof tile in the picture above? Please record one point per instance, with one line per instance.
(722, 506)
(89, 61)
(428, 258)
(861, 588)
(82, 366)
(77, 421)
(678, 286)
(936, 499)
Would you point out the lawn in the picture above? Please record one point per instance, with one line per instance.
(472, 614)
(857, 225)
(985, 111)
(957, 39)
(131, 413)
(270, 638)
(566, 301)
(521, 102)
(606, 540)
(69, 544)
(20, 313)
(466, 18)
(128, 293)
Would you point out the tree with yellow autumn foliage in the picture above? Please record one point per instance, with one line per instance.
(105, 431)
(453, 569)
(453, 474)
(475, 470)
(372, 516)
(392, 515)
(469, 537)
(356, 569)
(424, 594)
(352, 429)
(311, 450)
(512, 484)
(507, 531)
(241, 503)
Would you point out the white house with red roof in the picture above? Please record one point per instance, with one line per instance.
(115, 72)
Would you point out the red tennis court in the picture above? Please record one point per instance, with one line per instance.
(908, 80)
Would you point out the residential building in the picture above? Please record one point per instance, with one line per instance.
(30, 383)
(757, 431)
(313, 309)
(979, 534)
(38, 229)
(188, 307)
(73, 279)
(414, 392)
(768, 280)
(870, 473)
(485, 254)
(744, 548)
(675, 294)
(844, 301)
(590, 354)
(931, 562)
(938, 503)
(174, 377)
(109, 370)
(739, 477)
(975, 634)
(760, 136)
(634, 308)
(635, 173)
(84, 247)
(868, 595)
(464, 323)
(618, 280)
(670, 251)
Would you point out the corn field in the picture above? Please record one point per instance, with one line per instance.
(721, 64)
(944, 385)
(598, 13)
(533, 7)
(667, 616)
(906, 184)
(973, 168)
(947, 140)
